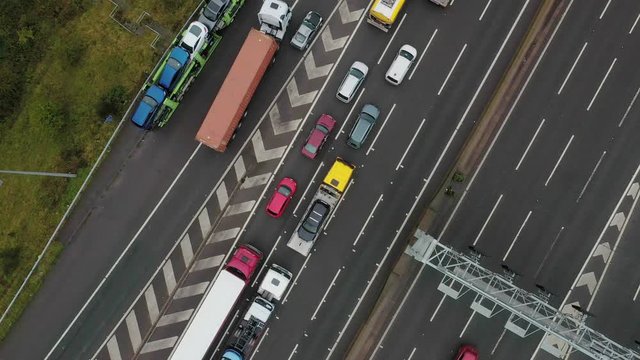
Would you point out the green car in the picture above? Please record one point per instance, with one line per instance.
(361, 129)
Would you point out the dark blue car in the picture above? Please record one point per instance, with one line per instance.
(149, 105)
(178, 58)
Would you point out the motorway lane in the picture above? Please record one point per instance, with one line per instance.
(127, 188)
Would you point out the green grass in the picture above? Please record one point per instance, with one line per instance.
(58, 127)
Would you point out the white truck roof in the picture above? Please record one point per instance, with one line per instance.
(275, 282)
(258, 311)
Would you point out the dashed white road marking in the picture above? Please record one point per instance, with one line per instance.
(566, 147)
(346, 120)
(304, 194)
(601, 83)
(584, 188)
(380, 130)
(368, 219)
(464, 329)
(604, 10)
(455, 63)
(517, 236)
(391, 39)
(495, 206)
(633, 101)
(575, 62)
(484, 10)
(415, 134)
(526, 151)
(415, 67)
(333, 282)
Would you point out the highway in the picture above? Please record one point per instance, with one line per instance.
(548, 200)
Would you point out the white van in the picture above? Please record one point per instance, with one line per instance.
(352, 81)
(401, 64)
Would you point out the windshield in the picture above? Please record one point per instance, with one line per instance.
(357, 73)
(406, 55)
(284, 190)
(150, 101)
(310, 148)
(196, 31)
(322, 129)
(173, 63)
(300, 37)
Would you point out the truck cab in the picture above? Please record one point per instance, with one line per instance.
(244, 262)
(274, 17)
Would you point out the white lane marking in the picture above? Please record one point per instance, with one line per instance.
(423, 52)
(113, 349)
(176, 317)
(484, 10)
(324, 297)
(152, 303)
(123, 253)
(295, 280)
(437, 307)
(304, 194)
(526, 151)
(575, 62)
(466, 325)
(169, 276)
(452, 68)
(204, 222)
(498, 342)
(292, 352)
(380, 131)
(634, 24)
(186, 249)
(415, 134)
(513, 106)
(604, 10)
(588, 258)
(601, 83)
(559, 160)
(517, 236)
(633, 101)
(591, 176)
(266, 261)
(495, 206)
(346, 120)
(636, 294)
(191, 290)
(367, 221)
(223, 235)
(428, 180)
(391, 40)
(411, 355)
(207, 263)
(257, 350)
(153, 346)
(546, 256)
(133, 330)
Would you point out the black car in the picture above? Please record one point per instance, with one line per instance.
(212, 12)
(313, 221)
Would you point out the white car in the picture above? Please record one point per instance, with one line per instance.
(401, 64)
(194, 38)
(352, 81)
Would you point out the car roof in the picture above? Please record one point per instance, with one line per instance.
(361, 66)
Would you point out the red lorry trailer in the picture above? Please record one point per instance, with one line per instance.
(229, 106)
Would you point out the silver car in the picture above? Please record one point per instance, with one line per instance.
(307, 30)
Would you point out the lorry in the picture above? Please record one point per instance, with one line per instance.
(325, 199)
(208, 319)
(258, 51)
(383, 13)
(245, 336)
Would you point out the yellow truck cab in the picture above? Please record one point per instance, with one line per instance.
(383, 13)
(339, 175)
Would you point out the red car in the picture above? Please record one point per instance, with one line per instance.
(318, 136)
(467, 352)
(281, 197)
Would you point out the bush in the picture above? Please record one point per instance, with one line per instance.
(9, 260)
(53, 115)
(113, 102)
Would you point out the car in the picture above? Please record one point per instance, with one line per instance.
(194, 38)
(467, 352)
(307, 30)
(148, 107)
(318, 136)
(312, 223)
(352, 81)
(173, 67)
(361, 129)
(281, 197)
(401, 64)
(212, 12)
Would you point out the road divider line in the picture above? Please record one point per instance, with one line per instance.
(633, 101)
(295, 280)
(368, 218)
(433, 316)
(391, 40)
(636, 294)
(495, 206)
(634, 24)
(266, 261)
(601, 83)
(498, 342)
(257, 350)
(464, 329)
(292, 352)
(412, 352)
(526, 151)
(517, 236)
(546, 256)
(484, 10)
(333, 282)
(381, 128)
(455, 63)
(591, 176)
(559, 160)
(344, 195)
(410, 144)
(349, 114)
(604, 10)
(423, 52)
(304, 194)
(575, 62)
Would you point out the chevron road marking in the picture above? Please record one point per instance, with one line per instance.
(603, 250)
(207, 263)
(588, 279)
(186, 249)
(633, 192)
(175, 317)
(279, 126)
(134, 330)
(205, 222)
(113, 349)
(239, 208)
(169, 277)
(222, 195)
(223, 235)
(191, 290)
(330, 43)
(618, 220)
(239, 168)
(152, 303)
(161, 344)
(295, 98)
(314, 71)
(263, 154)
(348, 16)
(257, 180)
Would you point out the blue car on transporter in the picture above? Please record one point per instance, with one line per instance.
(177, 61)
(146, 111)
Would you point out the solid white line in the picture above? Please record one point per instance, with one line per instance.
(601, 83)
(559, 160)
(257, 350)
(334, 212)
(368, 218)
(380, 131)
(295, 280)
(391, 40)
(529, 146)
(437, 308)
(292, 352)
(467, 324)
(629, 108)
(349, 114)
(634, 24)
(604, 10)
(410, 144)
(452, 68)
(487, 221)
(517, 236)
(333, 282)
(513, 106)
(304, 194)
(636, 294)
(591, 176)
(498, 342)
(423, 52)
(411, 355)
(266, 261)
(575, 62)
(485, 10)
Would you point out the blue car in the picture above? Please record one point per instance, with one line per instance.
(178, 58)
(232, 354)
(146, 111)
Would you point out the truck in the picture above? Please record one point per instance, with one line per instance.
(443, 3)
(322, 206)
(256, 54)
(243, 339)
(383, 13)
(220, 299)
